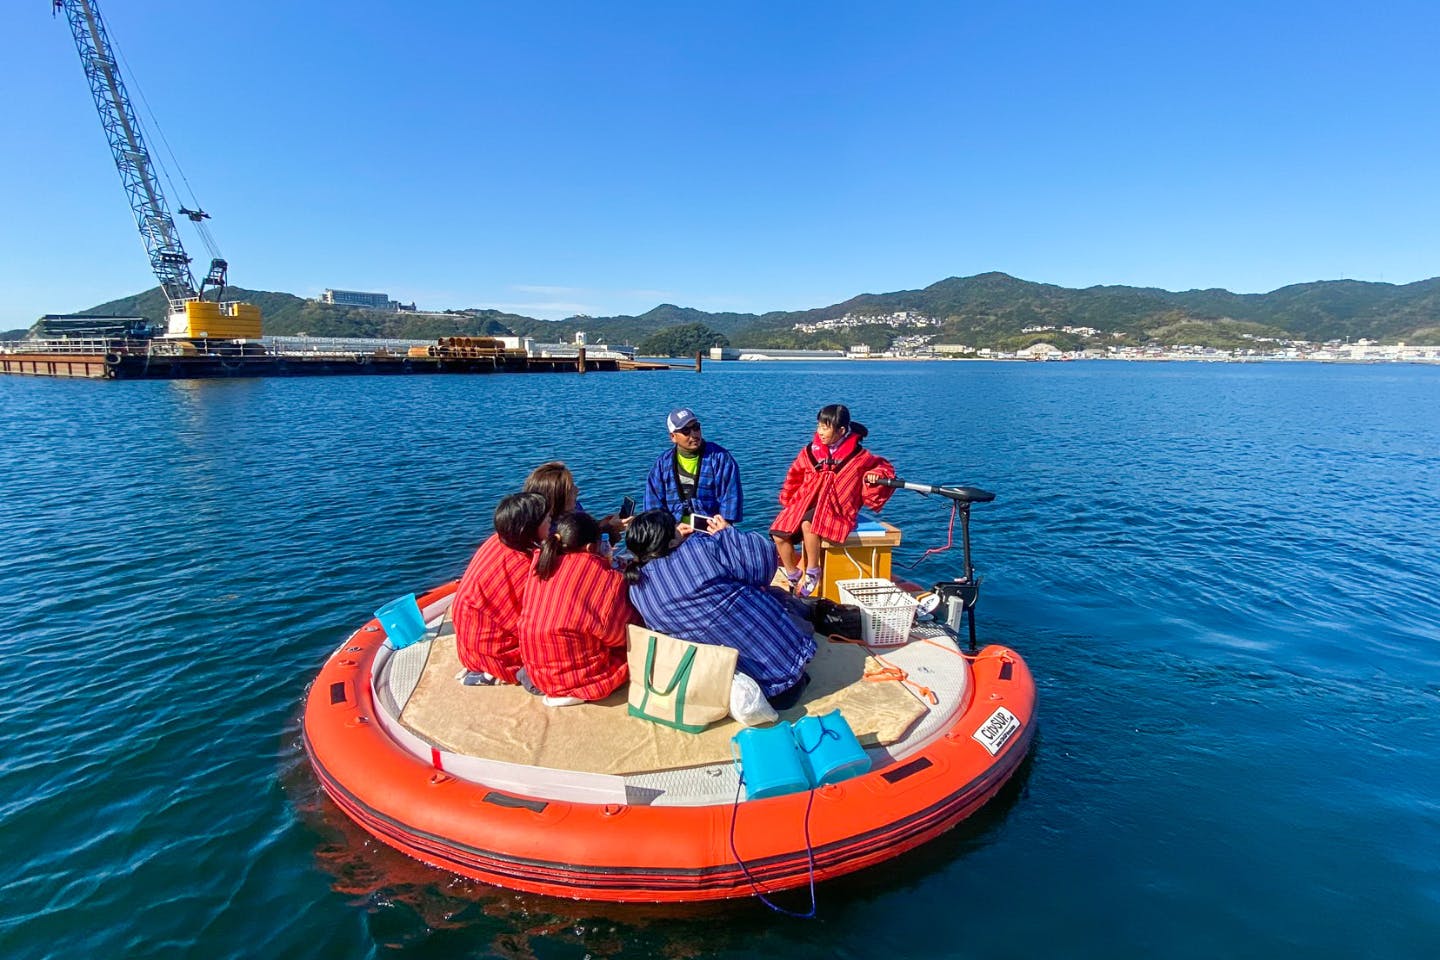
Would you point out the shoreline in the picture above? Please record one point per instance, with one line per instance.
(1166, 358)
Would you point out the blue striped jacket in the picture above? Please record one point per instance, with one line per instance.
(715, 588)
(718, 489)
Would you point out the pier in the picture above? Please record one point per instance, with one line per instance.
(164, 359)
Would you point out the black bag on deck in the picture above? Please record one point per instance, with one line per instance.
(838, 618)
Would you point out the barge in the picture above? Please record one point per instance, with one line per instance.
(122, 358)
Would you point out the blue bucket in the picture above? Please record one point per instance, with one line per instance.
(402, 621)
(829, 749)
(769, 762)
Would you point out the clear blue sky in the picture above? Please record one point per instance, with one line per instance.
(556, 158)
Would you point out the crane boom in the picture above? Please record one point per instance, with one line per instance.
(189, 315)
(167, 255)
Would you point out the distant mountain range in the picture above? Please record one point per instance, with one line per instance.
(986, 310)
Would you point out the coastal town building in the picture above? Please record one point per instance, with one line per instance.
(898, 318)
(593, 351)
(1048, 327)
(355, 298)
(359, 298)
(909, 345)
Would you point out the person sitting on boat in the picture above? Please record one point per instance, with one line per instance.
(486, 608)
(714, 587)
(823, 492)
(573, 620)
(555, 482)
(695, 476)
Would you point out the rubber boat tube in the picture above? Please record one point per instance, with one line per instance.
(375, 771)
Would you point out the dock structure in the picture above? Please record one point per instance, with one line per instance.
(165, 359)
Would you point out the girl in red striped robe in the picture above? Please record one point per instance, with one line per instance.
(573, 619)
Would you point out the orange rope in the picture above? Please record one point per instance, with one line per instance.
(888, 671)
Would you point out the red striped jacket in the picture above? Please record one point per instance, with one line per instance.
(834, 487)
(572, 628)
(487, 608)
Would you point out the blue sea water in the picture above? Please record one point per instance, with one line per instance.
(1225, 577)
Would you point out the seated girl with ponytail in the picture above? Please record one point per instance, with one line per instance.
(574, 617)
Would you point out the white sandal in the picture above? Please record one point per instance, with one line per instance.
(550, 701)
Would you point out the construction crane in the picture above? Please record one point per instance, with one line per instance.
(191, 316)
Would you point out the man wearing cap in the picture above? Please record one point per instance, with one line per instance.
(696, 476)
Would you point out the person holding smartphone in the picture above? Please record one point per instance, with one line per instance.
(695, 477)
(714, 587)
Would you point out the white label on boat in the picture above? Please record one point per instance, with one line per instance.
(995, 732)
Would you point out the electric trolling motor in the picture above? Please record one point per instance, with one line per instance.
(958, 596)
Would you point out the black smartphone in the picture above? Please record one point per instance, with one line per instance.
(699, 522)
(627, 508)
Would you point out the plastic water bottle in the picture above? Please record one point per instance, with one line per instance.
(605, 546)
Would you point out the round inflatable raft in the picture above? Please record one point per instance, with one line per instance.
(653, 835)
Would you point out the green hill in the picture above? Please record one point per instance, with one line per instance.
(986, 310)
(992, 309)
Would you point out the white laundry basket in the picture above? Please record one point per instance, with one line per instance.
(887, 612)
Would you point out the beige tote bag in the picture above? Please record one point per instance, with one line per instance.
(680, 684)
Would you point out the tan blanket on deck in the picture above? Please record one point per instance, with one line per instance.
(506, 723)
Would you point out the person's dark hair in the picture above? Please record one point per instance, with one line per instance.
(648, 537)
(570, 533)
(518, 518)
(555, 483)
(838, 415)
(834, 415)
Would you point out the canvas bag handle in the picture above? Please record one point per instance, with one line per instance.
(680, 678)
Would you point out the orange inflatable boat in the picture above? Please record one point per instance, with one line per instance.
(402, 761)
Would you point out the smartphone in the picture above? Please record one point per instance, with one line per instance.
(699, 522)
(627, 508)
